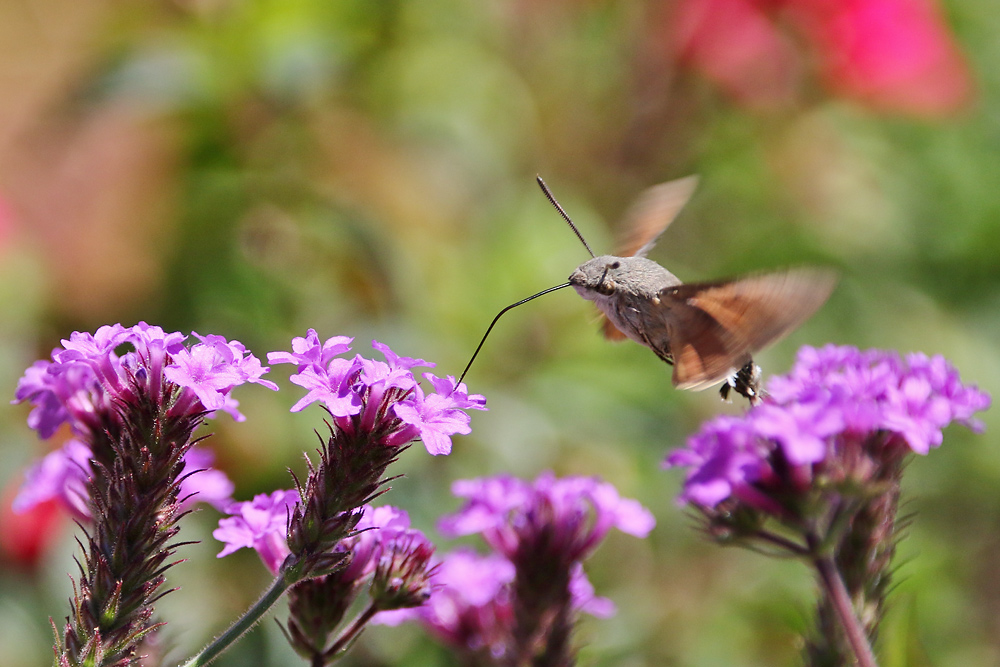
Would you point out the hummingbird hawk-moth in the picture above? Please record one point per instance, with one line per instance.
(708, 330)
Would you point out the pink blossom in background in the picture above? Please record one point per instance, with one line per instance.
(893, 55)
(737, 46)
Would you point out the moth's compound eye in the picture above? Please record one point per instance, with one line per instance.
(607, 288)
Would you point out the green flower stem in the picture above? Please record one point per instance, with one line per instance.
(351, 633)
(841, 599)
(242, 624)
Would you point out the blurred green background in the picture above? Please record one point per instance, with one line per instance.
(256, 168)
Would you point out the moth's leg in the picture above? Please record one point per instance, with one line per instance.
(746, 383)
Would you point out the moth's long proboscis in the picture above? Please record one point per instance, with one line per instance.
(495, 319)
(552, 200)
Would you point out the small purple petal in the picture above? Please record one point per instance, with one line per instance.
(260, 524)
(307, 351)
(582, 592)
(458, 394)
(331, 387)
(396, 361)
(436, 418)
(200, 483)
(60, 474)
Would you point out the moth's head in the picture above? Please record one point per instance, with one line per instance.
(598, 277)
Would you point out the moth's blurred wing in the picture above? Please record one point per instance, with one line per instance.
(717, 326)
(651, 214)
(610, 331)
(700, 349)
(645, 221)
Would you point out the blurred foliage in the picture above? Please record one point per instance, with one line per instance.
(255, 168)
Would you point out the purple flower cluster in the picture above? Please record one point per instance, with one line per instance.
(132, 398)
(381, 535)
(835, 402)
(383, 399)
(88, 385)
(63, 475)
(573, 513)
(504, 605)
(86, 379)
(471, 605)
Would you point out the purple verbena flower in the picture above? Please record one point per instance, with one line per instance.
(575, 513)
(402, 576)
(379, 398)
(382, 554)
(133, 398)
(457, 392)
(470, 605)
(308, 351)
(725, 456)
(800, 429)
(86, 379)
(434, 418)
(584, 599)
(814, 419)
(260, 524)
(519, 604)
(211, 368)
(393, 360)
(372, 532)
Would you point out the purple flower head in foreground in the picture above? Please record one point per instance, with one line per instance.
(86, 382)
(471, 606)
(519, 605)
(402, 576)
(373, 532)
(572, 514)
(382, 555)
(63, 474)
(260, 524)
(382, 399)
(839, 415)
(396, 556)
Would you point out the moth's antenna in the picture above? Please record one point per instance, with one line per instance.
(490, 328)
(559, 208)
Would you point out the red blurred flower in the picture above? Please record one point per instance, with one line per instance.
(893, 55)
(6, 224)
(25, 537)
